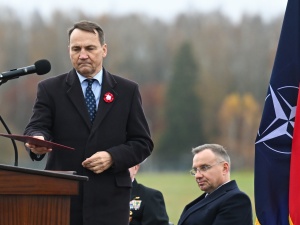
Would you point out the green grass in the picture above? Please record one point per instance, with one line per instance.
(180, 188)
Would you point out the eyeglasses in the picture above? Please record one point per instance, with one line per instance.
(203, 168)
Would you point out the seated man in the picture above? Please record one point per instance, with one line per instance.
(147, 205)
(222, 202)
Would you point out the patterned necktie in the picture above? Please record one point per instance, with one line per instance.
(90, 100)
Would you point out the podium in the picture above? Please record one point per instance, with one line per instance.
(36, 197)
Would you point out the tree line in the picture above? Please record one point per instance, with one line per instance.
(202, 77)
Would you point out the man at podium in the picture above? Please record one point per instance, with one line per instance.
(98, 114)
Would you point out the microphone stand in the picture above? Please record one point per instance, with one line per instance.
(13, 141)
(43, 66)
(2, 81)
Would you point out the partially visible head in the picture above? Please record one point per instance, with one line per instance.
(133, 171)
(212, 164)
(88, 26)
(87, 48)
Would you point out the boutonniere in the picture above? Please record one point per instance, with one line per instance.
(108, 97)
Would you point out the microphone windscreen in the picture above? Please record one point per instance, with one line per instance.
(42, 66)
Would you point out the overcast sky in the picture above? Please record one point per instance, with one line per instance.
(163, 9)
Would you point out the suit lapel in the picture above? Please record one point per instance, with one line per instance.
(108, 84)
(191, 207)
(134, 190)
(75, 94)
(135, 199)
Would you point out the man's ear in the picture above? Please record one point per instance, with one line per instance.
(226, 167)
(104, 49)
(137, 167)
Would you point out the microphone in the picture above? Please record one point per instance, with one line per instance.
(40, 67)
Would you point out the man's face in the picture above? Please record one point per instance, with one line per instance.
(213, 172)
(86, 52)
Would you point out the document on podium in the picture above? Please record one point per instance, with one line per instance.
(36, 141)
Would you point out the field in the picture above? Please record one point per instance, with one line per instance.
(180, 188)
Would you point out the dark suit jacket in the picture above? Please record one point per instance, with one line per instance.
(120, 128)
(225, 206)
(147, 206)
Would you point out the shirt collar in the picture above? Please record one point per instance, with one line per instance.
(97, 77)
(217, 188)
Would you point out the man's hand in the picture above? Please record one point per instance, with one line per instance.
(38, 149)
(98, 162)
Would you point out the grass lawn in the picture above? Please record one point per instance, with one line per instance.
(181, 188)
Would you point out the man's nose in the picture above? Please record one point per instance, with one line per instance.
(198, 174)
(83, 54)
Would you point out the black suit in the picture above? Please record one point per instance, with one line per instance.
(147, 206)
(120, 128)
(225, 206)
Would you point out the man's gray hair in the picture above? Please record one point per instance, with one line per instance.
(219, 151)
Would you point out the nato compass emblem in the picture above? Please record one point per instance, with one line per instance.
(277, 126)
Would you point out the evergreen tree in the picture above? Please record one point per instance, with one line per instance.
(182, 114)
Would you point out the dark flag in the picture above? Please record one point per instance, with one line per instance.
(273, 147)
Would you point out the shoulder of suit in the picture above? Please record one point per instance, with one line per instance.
(232, 187)
(121, 79)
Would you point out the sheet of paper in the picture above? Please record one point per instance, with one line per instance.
(36, 141)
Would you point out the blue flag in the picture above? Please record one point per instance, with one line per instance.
(274, 139)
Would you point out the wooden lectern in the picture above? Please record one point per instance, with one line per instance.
(36, 197)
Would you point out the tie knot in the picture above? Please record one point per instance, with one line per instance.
(90, 82)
